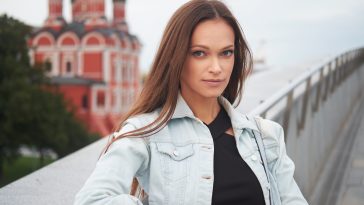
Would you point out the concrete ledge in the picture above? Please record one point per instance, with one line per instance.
(56, 183)
(328, 186)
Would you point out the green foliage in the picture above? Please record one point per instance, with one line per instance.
(14, 84)
(20, 167)
(12, 39)
(29, 114)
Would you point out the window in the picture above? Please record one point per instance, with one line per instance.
(100, 99)
(131, 96)
(117, 71)
(115, 101)
(130, 72)
(124, 72)
(123, 102)
(68, 67)
(48, 66)
(84, 101)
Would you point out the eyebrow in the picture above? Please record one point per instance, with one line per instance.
(205, 47)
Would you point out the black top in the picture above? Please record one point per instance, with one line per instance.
(234, 181)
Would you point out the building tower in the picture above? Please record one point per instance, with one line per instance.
(55, 18)
(119, 11)
(119, 21)
(88, 9)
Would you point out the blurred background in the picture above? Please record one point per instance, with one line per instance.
(288, 33)
(71, 69)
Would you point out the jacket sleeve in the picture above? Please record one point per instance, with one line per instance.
(111, 180)
(290, 193)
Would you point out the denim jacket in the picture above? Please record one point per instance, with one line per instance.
(175, 165)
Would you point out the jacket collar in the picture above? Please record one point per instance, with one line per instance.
(238, 120)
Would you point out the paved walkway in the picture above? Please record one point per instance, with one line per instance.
(352, 190)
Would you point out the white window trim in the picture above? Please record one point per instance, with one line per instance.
(117, 107)
(95, 108)
(118, 73)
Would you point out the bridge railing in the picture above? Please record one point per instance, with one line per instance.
(314, 109)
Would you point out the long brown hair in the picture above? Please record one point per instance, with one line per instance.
(162, 84)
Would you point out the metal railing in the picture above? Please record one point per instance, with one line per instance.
(331, 75)
(313, 111)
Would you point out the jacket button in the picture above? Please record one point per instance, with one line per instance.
(206, 147)
(175, 153)
(113, 136)
(254, 158)
(268, 186)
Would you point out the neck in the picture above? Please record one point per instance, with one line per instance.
(206, 109)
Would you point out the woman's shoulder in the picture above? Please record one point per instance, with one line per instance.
(142, 120)
(270, 129)
(131, 124)
(135, 122)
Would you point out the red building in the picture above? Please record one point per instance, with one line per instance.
(92, 61)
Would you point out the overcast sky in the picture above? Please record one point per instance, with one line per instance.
(294, 32)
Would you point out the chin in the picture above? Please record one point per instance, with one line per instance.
(211, 94)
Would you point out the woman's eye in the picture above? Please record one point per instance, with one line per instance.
(228, 53)
(198, 53)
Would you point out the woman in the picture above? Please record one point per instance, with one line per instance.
(182, 140)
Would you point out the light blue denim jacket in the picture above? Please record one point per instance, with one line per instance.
(175, 165)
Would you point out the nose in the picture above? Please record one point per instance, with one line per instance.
(215, 67)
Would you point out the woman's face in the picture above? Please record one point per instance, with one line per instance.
(210, 60)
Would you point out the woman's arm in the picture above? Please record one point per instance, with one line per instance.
(290, 193)
(111, 180)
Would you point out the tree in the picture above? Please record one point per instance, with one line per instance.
(29, 113)
(14, 63)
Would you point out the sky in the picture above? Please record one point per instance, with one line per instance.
(285, 32)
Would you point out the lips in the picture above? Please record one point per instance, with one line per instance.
(213, 82)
